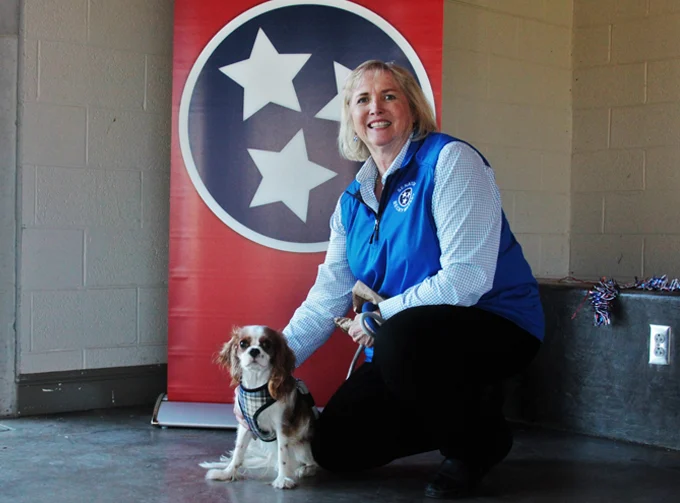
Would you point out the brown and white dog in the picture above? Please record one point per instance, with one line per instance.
(277, 408)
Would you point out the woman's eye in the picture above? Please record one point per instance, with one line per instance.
(243, 344)
(390, 97)
(363, 99)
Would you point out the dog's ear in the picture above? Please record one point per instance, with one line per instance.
(281, 381)
(228, 356)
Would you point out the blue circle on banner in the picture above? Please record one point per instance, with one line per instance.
(271, 170)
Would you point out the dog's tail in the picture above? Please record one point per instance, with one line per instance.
(259, 455)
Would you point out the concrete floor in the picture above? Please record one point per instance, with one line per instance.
(117, 456)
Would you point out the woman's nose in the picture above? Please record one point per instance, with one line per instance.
(375, 108)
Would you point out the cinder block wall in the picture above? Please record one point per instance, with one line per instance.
(507, 90)
(94, 166)
(95, 110)
(625, 176)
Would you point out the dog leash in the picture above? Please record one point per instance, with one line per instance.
(370, 322)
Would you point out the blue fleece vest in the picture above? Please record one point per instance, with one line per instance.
(398, 247)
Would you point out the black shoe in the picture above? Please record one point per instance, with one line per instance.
(454, 479)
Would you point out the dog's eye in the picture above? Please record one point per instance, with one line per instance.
(243, 344)
(266, 344)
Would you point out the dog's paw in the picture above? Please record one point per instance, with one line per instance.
(306, 471)
(227, 475)
(282, 482)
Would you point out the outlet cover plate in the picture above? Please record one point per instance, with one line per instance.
(659, 344)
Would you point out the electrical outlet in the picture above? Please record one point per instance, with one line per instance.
(659, 344)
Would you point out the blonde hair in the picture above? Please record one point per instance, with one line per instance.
(423, 116)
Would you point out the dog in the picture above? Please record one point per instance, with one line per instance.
(278, 409)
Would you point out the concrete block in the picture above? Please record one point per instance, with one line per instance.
(661, 168)
(609, 86)
(465, 73)
(623, 213)
(8, 100)
(591, 129)
(62, 20)
(541, 213)
(592, 46)
(72, 73)
(159, 84)
(543, 43)
(512, 81)
(156, 199)
(125, 356)
(47, 145)
(9, 18)
(653, 38)
(556, 171)
(549, 129)
(608, 170)
(663, 7)
(30, 56)
(28, 198)
(593, 12)
(153, 315)
(645, 126)
(523, 8)
(117, 79)
(554, 256)
(127, 139)
(614, 256)
(587, 213)
(88, 198)
(51, 259)
(144, 27)
(84, 319)
(590, 12)
(51, 361)
(661, 256)
(24, 322)
(662, 81)
(560, 13)
(473, 29)
(659, 215)
(126, 257)
(516, 168)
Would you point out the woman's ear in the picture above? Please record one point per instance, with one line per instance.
(282, 381)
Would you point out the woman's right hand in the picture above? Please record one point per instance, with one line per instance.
(356, 332)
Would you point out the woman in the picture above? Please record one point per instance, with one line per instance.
(422, 225)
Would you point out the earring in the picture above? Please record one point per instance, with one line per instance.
(355, 139)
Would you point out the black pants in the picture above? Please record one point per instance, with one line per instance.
(434, 383)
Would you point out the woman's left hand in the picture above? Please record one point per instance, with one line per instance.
(356, 332)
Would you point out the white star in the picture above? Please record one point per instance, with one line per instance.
(267, 76)
(331, 111)
(288, 176)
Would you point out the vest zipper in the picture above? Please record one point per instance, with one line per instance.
(381, 207)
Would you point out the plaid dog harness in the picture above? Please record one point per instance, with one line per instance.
(254, 401)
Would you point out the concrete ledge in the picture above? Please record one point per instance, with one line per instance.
(597, 380)
(77, 390)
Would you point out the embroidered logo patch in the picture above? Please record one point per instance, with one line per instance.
(404, 197)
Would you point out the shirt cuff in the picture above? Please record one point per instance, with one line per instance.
(391, 306)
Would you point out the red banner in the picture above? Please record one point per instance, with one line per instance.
(255, 172)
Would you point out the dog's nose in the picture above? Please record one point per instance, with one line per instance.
(254, 352)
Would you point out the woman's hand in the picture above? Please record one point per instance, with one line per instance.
(356, 332)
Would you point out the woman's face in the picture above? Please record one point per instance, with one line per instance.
(380, 112)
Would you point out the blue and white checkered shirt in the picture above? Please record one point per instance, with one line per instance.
(466, 206)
